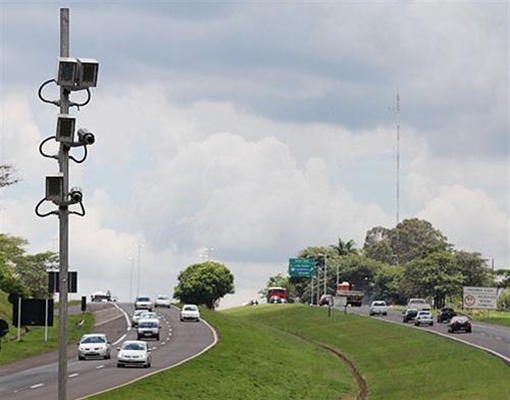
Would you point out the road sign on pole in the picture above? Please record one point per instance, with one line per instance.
(302, 267)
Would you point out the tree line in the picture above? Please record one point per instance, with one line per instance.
(413, 259)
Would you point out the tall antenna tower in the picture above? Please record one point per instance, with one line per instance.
(398, 162)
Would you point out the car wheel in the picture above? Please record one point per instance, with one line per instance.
(431, 324)
(138, 337)
(81, 358)
(157, 337)
(468, 331)
(385, 314)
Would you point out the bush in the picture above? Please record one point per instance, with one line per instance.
(504, 300)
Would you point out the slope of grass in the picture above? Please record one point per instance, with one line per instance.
(272, 352)
(32, 339)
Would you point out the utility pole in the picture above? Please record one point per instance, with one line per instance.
(63, 161)
(74, 74)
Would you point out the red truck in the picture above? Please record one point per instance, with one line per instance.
(346, 295)
(276, 294)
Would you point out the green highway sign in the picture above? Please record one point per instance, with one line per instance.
(302, 267)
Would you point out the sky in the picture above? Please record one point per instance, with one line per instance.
(243, 132)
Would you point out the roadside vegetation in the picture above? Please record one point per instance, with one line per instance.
(277, 352)
(32, 339)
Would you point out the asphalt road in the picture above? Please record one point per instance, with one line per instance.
(491, 338)
(37, 378)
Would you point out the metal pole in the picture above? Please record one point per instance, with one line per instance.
(132, 259)
(138, 273)
(311, 296)
(63, 160)
(325, 275)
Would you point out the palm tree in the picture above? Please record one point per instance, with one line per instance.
(345, 248)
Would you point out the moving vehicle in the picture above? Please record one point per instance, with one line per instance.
(190, 312)
(100, 296)
(136, 317)
(143, 303)
(445, 314)
(409, 314)
(162, 301)
(148, 328)
(424, 317)
(459, 323)
(418, 304)
(94, 345)
(276, 294)
(326, 300)
(350, 296)
(134, 352)
(378, 307)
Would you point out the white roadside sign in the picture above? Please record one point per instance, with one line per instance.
(480, 297)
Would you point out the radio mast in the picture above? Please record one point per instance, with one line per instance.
(398, 163)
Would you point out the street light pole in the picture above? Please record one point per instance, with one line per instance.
(132, 259)
(139, 245)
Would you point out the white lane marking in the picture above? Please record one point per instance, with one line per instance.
(36, 385)
(100, 366)
(119, 340)
(73, 375)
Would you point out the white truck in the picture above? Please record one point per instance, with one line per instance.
(418, 304)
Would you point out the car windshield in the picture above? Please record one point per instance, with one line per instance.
(144, 299)
(163, 297)
(148, 324)
(418, 301)
(379, 303)
(133, 346)
(190, 308)
(94, 339)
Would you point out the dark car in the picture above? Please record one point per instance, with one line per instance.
(459, 323)
(409, 315)
(445, 314)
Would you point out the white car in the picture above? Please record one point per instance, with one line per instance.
(94, 345)
(424, 317)
(136, 317)
(378, 307)
(143, 303)
(190, 312)
(148, 328)
(162, 301)
(134, 352)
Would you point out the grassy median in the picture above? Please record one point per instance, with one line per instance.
(276, 352)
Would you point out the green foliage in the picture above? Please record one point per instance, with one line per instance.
(409, 240)
(7, 175)
(205, 283)
(504, 300)
(23, 273)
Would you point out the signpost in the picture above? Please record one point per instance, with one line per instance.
(302, 267)
(480, 297)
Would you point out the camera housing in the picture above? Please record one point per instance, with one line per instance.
(55, 188)
(65, 128)
(75, 195)
(67, 68)
(86, 137)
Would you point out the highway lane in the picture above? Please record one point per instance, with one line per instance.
(492, 338)
(37, 378)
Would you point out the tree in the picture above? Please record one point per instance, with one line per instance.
(7, 175)
(32, 272)
(410, 239)
(345, 248)
(436, 276)
(205, 283)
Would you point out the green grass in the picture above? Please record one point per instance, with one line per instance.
(261, 354)
(33, 342)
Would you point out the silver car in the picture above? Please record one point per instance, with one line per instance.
(94, 345)
(424, 318)
(378, 307)
(134, 352)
